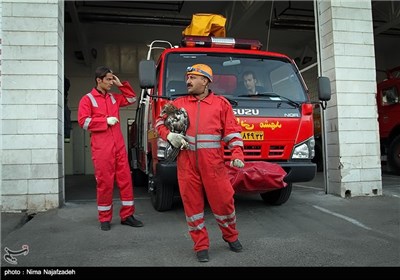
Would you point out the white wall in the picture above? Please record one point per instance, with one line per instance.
(32, 102)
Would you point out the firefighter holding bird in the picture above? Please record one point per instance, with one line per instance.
(201, 168)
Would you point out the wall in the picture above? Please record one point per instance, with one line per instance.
(347, 55)
(32, 103)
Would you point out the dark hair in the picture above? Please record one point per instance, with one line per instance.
(101, 72)
(246, 73)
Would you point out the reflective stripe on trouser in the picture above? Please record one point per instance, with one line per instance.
(110, 165)
(210, 179)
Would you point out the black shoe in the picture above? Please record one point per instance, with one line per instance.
(131, 221)
(235, 246)
(105, 226)
(202, 256)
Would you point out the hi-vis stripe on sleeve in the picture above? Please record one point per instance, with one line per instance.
(86, 123)
(159, 123)
(229, 137)
(113, 101)
(91, 97)
(131, 99)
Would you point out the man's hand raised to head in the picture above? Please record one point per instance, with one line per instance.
(117, 82)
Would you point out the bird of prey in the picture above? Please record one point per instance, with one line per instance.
(176, 121)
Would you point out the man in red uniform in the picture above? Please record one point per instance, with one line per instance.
(201, 167)
(98, 113)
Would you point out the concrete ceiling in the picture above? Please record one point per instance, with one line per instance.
(288, 26)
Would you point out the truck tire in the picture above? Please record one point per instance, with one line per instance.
(162, 195)
(277, 197)
(393, 155)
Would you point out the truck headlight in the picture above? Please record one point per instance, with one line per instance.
(304, 150)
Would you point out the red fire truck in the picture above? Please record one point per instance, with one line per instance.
(277, 124)
(389, 119)
(388, 102)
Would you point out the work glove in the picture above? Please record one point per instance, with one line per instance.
(112, 120)
(237, 163)
(177, 140)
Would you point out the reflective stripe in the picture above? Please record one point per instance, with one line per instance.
(204, 137)
(112, 98)
(236, 143)
(104, 208)
(195, 217)
(92, 99)
(225, 217)
(226, 224)
(192, 147)
(191, 138)
(86, 123)
(204, 141)
(198, 227)
(222, 220)
(229, 137)
(131, 99)
(127, 202)
(208, 137)
(159, 123)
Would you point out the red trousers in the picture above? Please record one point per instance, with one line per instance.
(201, 173)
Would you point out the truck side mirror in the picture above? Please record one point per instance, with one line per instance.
(324, 89)
(147, 73)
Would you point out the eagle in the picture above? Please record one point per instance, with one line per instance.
(176, 121)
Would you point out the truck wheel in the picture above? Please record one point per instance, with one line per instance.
(277, 197)
(393, 155)
(162, 195)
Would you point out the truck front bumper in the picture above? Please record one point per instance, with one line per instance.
(299, 171)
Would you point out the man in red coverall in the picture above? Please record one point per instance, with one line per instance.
(201, 167)
(98, 113)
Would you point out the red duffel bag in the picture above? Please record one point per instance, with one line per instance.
(256, 177)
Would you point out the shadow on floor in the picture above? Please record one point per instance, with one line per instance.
(83, 187)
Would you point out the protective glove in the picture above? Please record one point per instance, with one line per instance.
(237, 163)
(177, 140)
(112, 120)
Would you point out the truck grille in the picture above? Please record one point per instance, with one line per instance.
(276, 151)
(254, 152)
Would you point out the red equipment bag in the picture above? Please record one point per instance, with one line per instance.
(256, 177)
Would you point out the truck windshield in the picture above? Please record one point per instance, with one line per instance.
(236, 75)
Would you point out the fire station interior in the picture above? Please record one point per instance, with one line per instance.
(116, 34)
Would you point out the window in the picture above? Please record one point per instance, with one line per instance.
(390, 96)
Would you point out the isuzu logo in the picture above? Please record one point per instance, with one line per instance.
(246, 112)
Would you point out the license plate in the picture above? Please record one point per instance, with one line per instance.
(253, 135)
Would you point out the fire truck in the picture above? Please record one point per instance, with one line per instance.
(277, 124)
(388, 102)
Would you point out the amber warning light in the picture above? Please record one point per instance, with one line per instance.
(217, 42)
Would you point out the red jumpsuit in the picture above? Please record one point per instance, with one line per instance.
(109, 155)
(201, 168)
